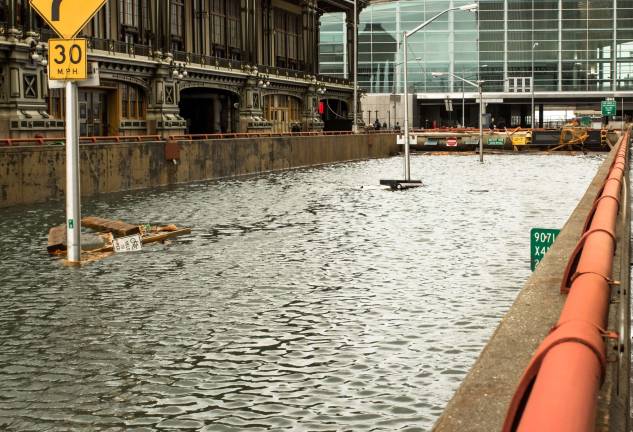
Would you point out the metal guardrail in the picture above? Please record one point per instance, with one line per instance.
(560, 386)
(266, 135)
(29, 142)
(23, 142)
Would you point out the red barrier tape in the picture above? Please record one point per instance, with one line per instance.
(558, 392)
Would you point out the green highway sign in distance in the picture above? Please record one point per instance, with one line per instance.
(609, 108)
(541, 239)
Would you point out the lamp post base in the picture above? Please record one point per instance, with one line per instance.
(402, 184)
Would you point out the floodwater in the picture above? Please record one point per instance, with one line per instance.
(309, 300)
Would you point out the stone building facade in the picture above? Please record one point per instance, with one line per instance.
(169, 67)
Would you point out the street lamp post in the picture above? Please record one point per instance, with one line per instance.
(479, 85)
(534, 45)
(464, 95)
(405, 35)
(463, 100)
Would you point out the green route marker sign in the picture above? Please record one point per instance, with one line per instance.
(541, 239)
(609, 108)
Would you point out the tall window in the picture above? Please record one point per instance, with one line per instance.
(177, 25)
(225, 29)
(177, 16)
(287, 39)
(218, 27)
(233, 28)
(199, 32)
(129, 18)
(145, 19)
(129, 13)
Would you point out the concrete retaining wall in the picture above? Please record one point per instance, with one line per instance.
(36, 174)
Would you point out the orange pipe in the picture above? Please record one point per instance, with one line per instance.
(559, 389)
(550, 407)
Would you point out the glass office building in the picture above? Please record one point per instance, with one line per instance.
(571, 50)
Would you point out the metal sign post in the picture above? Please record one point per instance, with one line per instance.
(68, 63)
(73, 196)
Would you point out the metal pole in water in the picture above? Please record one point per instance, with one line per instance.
(355, 121)
(481, 124)
(73, 198)
(407, 160)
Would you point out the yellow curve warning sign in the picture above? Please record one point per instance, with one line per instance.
(67, 17)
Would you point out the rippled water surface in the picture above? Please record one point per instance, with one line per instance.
(303, 301)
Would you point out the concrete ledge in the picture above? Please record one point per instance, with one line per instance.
(481, 402)
(36, 174)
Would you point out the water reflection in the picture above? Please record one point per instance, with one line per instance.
(309, 300)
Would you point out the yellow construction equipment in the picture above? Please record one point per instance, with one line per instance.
(520, 138)
(572, 135)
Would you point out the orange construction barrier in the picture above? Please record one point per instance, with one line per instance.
(559, 389)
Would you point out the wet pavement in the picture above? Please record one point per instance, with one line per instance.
(310, 300)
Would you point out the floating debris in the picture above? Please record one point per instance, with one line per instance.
(111, 236)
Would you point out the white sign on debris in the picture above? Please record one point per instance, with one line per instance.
(127, 244)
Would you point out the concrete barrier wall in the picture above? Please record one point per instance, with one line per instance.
(36, 174)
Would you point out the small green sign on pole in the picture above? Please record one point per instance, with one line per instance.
(541, 240)
(609, 108)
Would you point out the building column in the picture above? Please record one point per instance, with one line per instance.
(271, 36)
(506, 74)
(560, 45)
(310, 36)
(266, 33)
(229, 115)
(155, 17)
(206, 37)
(246, 32)
(349, 23)
(23, 107)
(251, 109)
(314, 46)
(166, 28)
(217, 112)
(163, 112)
(13, 32)
(252, 31)
(614, 50)
(30, 21)
(310, 114)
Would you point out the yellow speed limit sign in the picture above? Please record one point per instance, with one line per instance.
(67, 59)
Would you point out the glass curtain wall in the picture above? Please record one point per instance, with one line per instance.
(448, 44)
(559, 45)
